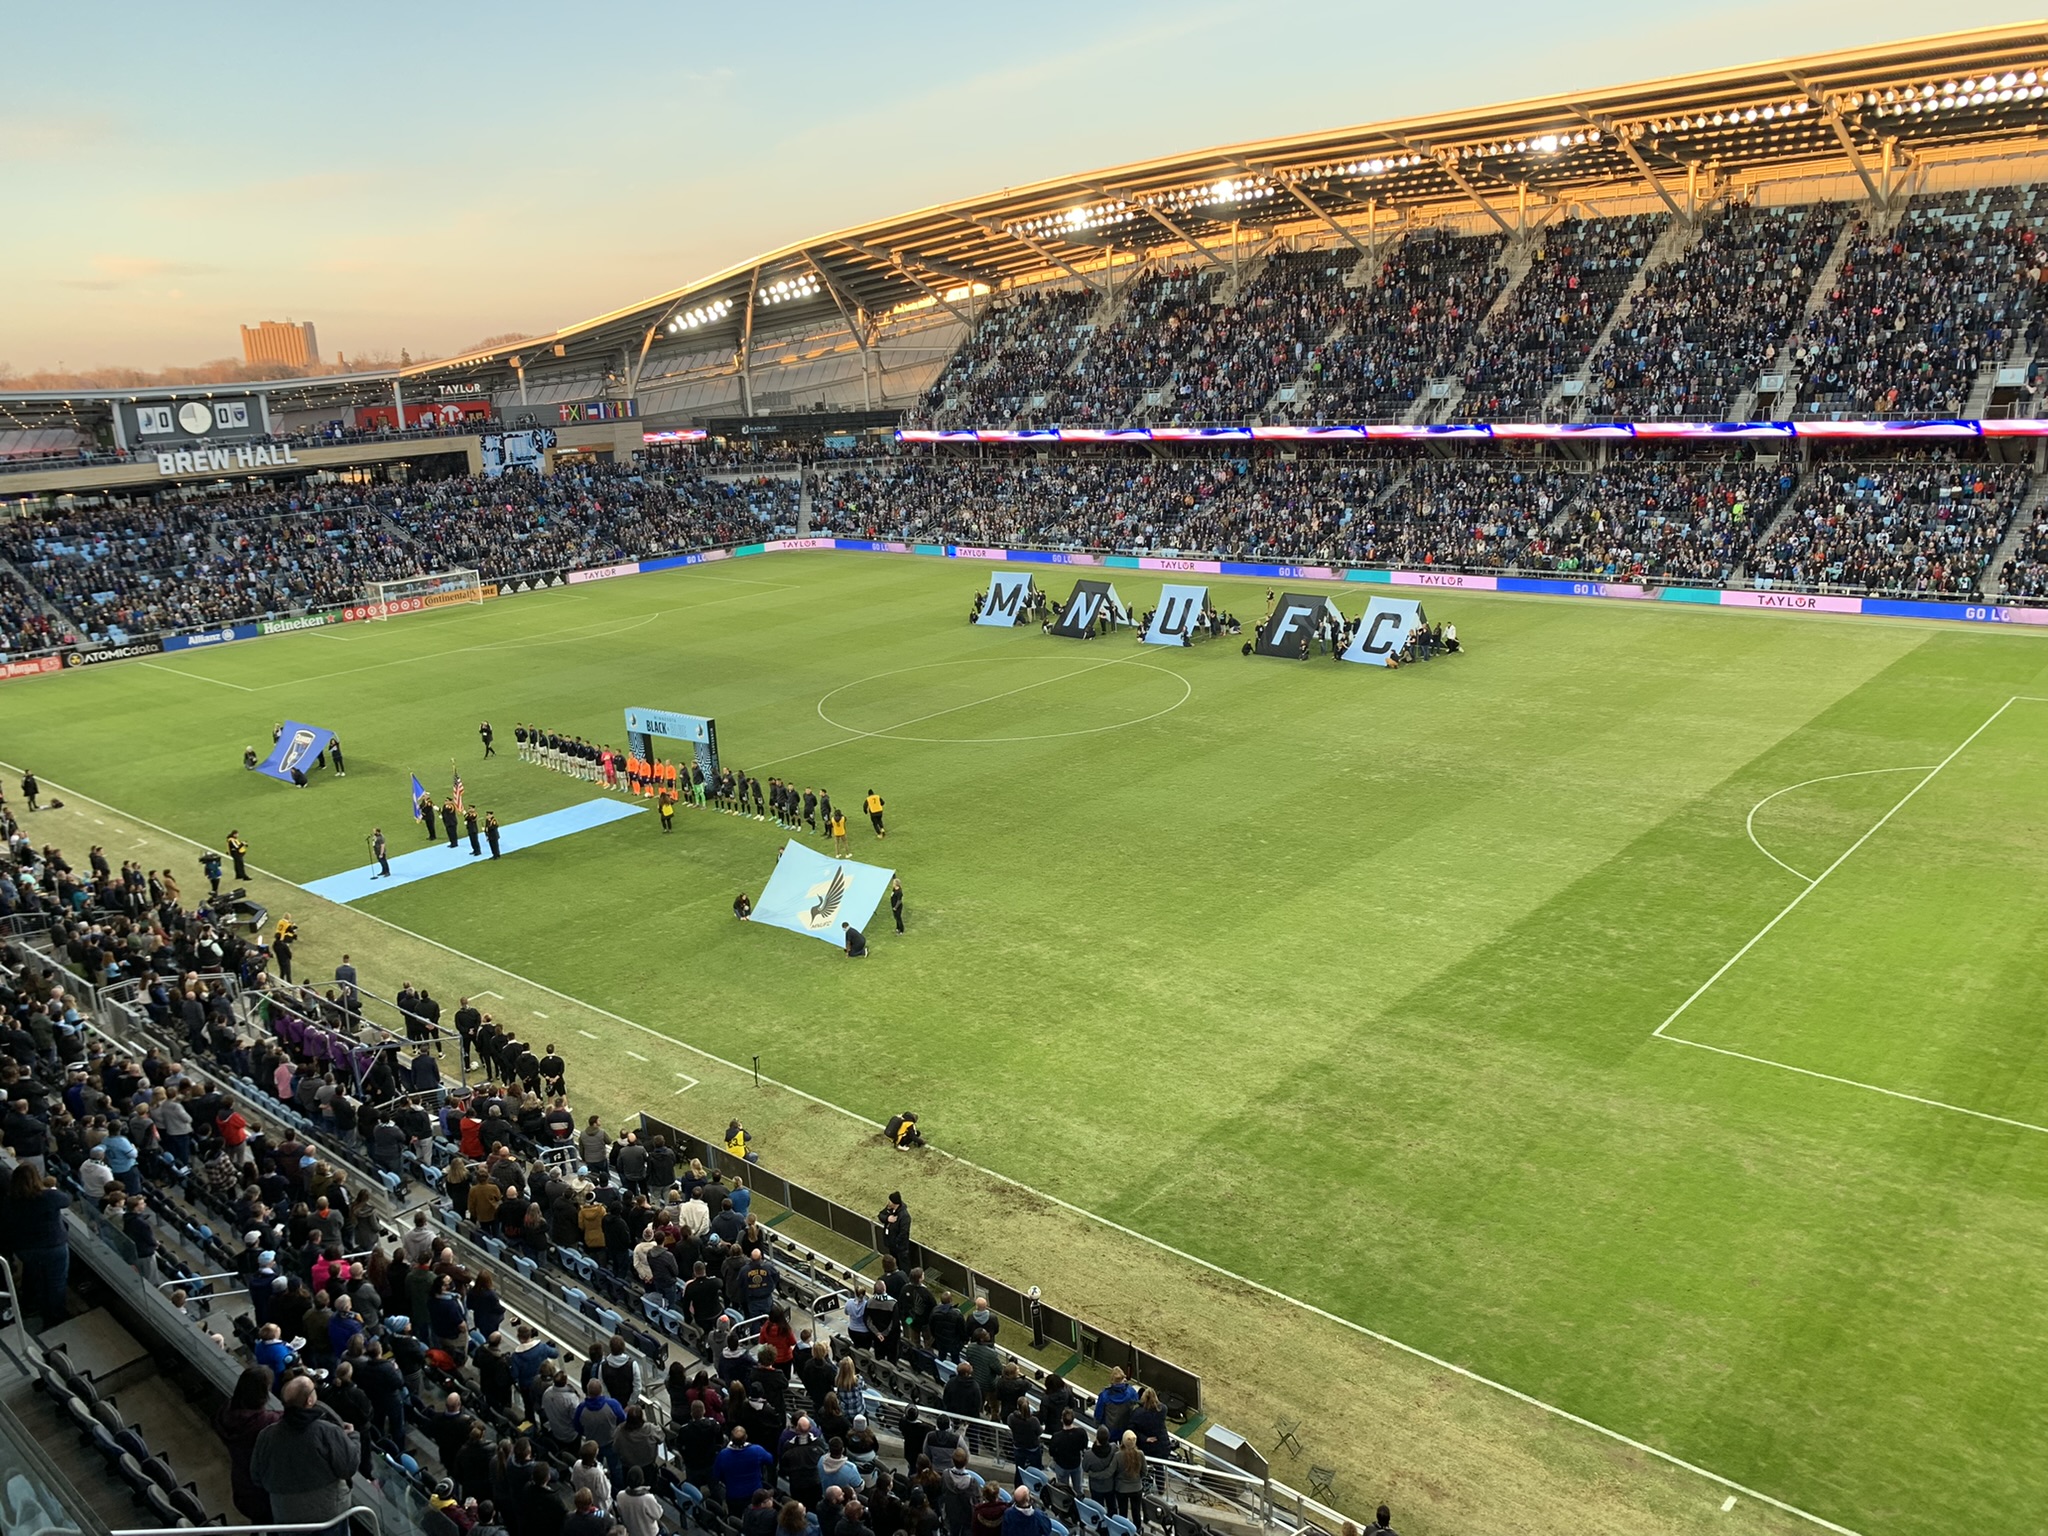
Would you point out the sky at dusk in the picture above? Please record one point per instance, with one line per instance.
(425, 176)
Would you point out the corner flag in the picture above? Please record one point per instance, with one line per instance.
(419, 791)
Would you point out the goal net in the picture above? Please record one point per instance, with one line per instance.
(384, 598)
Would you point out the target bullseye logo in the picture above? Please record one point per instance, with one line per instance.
(196, 417)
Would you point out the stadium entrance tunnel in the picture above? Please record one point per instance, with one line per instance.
(1081, 691)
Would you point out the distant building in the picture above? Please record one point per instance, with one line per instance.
(286, 342)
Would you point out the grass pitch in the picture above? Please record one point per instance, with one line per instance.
(1346, 981)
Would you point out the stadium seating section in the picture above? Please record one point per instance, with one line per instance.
(1905, 312)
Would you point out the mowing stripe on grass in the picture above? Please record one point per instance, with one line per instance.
(1067, 1205)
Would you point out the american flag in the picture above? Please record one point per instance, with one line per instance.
(458, 791)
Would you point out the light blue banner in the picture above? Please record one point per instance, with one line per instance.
(1384, 629)
(1004, 604)
(1179, 611)
(440, 859)
(814, 895)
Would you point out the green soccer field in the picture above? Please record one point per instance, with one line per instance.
(1348, 981)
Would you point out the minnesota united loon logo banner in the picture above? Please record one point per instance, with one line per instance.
(813, 895)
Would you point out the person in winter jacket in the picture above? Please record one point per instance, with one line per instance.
(306, 1460)
(241, 1419)
(1115, 1403)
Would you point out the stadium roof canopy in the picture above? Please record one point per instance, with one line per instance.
(1875, 114)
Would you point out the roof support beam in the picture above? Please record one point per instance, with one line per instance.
(1447, 162)
(1043, 253)
(1171, 228)
(1635, 158)
(832, 291)
(895, 259)
(746, 358)
(1835, 121)
(1288, 185)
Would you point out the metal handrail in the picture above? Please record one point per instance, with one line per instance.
(350, 1513)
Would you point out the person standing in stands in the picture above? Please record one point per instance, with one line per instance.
(306, 1459)
(491, 831)
(873, 806)
(281, 942)
(237, 850)
(485, 734)
(209, 862)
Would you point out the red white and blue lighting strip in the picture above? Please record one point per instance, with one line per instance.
(1506, 431)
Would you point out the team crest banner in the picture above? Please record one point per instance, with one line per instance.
(1294, 620)
(1384, 629)
(1090, 600)
(1004, 605)
(298, 746)
(1178, 613)
(812, 894)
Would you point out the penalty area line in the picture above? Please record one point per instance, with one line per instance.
(1307, 1307)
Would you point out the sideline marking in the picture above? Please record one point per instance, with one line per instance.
(586, 1034)
(498, 995)
(1749, 822)
(197, 677)
(1067, 1205)
(634, 1054)
(1814, 884)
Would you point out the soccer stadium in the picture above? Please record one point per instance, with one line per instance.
(1411, 760)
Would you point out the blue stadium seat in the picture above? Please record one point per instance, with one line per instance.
(1091, 1514)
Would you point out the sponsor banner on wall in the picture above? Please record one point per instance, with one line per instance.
(779, 544)
(303, 621)
(226, 634)
(1446, 579)
(33, 666)
(604, 573)
(93, 655)
(967, 552)
(1798, 602)
(1192, 567)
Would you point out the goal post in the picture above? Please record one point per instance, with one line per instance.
(411, 593)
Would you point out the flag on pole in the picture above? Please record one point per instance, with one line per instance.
(458, 791)
(419, 793)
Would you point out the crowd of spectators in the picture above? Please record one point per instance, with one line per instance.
(1917, 311)
(1410, 325)
(1123, 364)
(1703, 328)
(1923, 525)
(1234, 358)
(378, 1348)
(1671, 518)
(115, 573)
(1542, 335)
(2025, 572)
(1019, 348)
